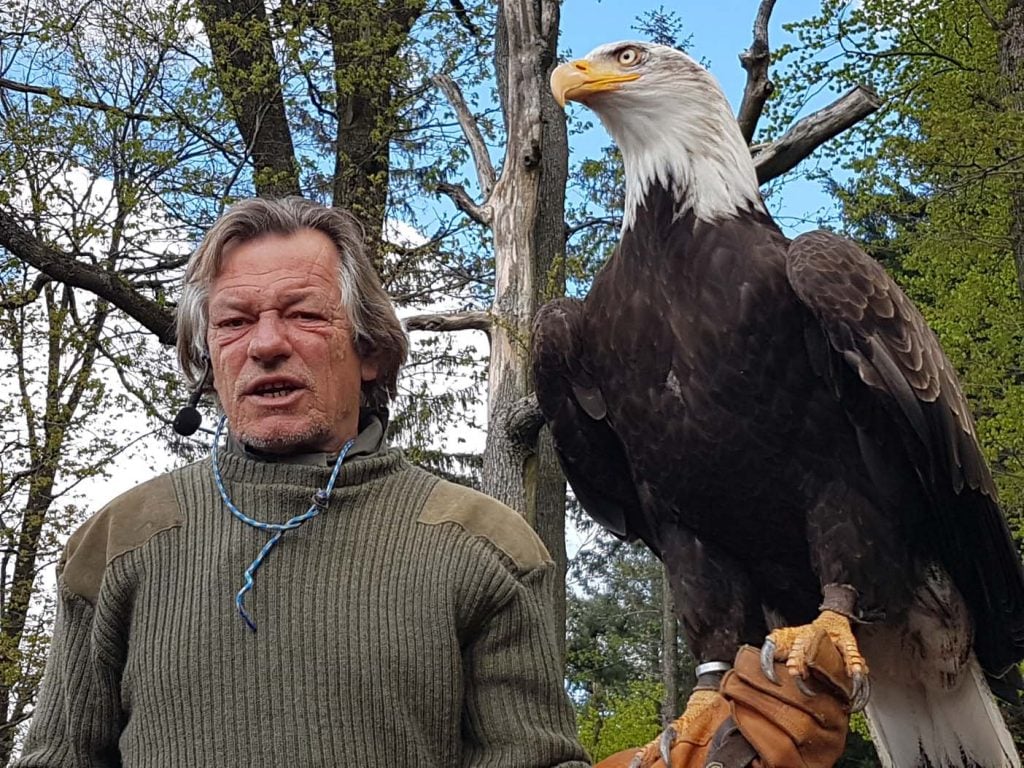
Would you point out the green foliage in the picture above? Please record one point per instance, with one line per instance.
(613, 617)
(615, 642)
(622, 720)
(663, 26)
(859, 752)
(425, 410)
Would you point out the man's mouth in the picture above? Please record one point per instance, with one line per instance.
(274, 390)
(277, 390)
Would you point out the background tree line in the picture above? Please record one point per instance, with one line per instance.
(125, 129)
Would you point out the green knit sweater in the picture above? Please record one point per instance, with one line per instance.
(407, 625)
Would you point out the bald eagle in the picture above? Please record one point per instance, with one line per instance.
(776, 421)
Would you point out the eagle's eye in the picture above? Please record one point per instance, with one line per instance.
(628, 57)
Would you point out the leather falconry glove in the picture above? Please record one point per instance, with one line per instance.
(763, 724)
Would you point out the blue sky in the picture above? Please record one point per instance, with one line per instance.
(720, 30)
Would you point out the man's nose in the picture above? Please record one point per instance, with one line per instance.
(269, 338)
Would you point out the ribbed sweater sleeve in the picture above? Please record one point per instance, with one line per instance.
(516, 712)
(77, 720)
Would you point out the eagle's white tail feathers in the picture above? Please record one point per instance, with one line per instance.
(914, 726)
(930, 706)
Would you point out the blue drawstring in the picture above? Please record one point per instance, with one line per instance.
(320, 501)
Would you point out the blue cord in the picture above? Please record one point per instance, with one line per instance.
(320, 501)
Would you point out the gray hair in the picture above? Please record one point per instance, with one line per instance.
(377, 334)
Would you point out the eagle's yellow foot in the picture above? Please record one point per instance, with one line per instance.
(699, 718)
(794, 645)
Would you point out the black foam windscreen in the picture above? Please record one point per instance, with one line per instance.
(187, 421)
(189, 418)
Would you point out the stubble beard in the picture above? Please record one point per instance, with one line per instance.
(304, 440)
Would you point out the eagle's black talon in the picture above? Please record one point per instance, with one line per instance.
(668, 738)
(861, 692)
(768, 660)
(802, 686)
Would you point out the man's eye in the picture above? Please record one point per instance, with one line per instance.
(232, 322)
(308, 316)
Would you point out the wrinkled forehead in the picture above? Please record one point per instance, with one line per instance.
(287, 238)
(303, 263)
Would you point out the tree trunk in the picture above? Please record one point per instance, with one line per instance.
(19, 594)
(547, 516)
(365, 39)
(1011, 65)
(669, 653)
(527, 207)
(249, 76)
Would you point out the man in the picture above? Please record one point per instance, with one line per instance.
(305, 596)
(397, 619)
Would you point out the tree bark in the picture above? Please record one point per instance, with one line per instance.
(250, 78)
(365, 39)
(803, 137)
(1011, 66)
(546, 514)
(669, 653)
(755, 61)
(63, 267)
(527, 221)
(455, 321)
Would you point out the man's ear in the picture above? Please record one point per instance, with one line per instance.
(368, 368)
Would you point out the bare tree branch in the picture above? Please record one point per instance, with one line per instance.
(600, 221)
(75, 101)
(481, 214)
(471, 130)
(523, 421)
(27, 297)
(18, 720)
(987, 11)
(463, 16)
(456, 321)
(163, 266)
(782, 155)
(64, 268)
(755, 60)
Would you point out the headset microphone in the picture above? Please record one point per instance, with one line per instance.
(189, 418)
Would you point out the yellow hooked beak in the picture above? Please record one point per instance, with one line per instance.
(576, 80)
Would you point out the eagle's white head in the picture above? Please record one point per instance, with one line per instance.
(672, 124)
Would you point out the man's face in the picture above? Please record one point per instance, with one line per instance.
(284, 367)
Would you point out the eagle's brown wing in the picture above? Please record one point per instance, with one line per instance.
(590, 453)
(887, 369)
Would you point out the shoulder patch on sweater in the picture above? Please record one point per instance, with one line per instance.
(126, 523)
(480, 515)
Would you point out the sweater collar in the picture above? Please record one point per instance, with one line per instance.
(368, 459)
(370, 440)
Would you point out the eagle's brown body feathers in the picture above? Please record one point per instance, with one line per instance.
(750, 441)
